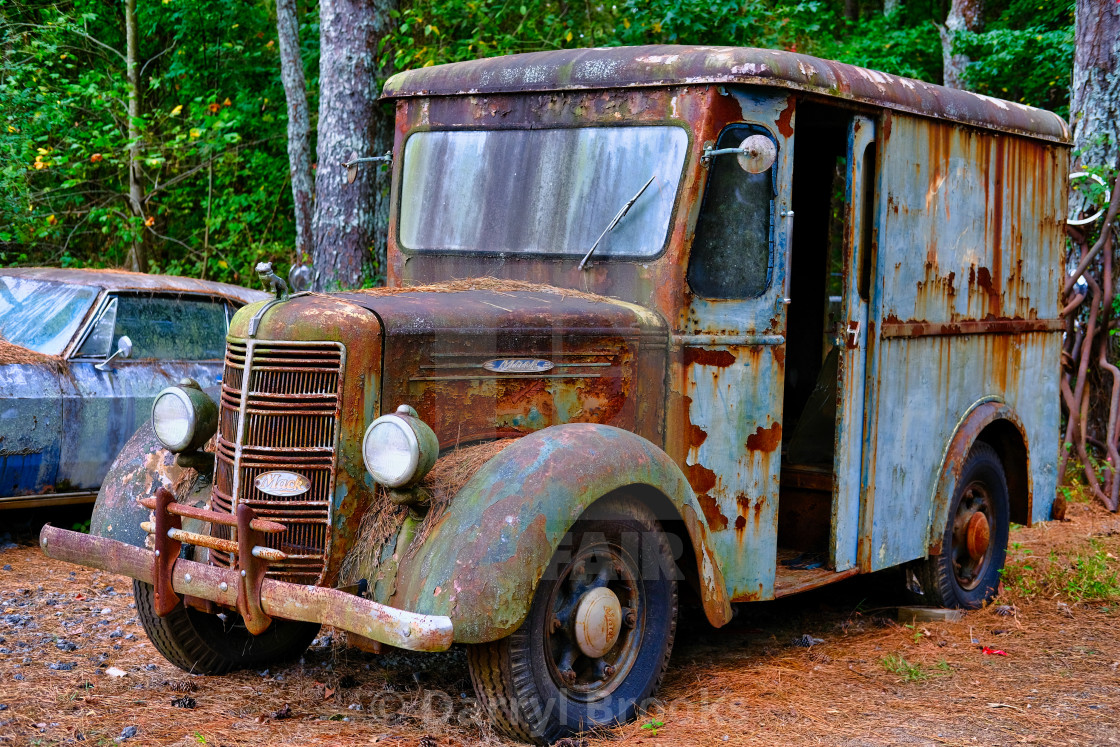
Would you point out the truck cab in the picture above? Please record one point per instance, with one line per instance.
(726, 322)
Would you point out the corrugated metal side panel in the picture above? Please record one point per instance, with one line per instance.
(953, 196)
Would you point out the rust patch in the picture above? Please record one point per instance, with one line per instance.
(765, 439)
(740, 523)
(717, 358)
(700, 478)
(716, 520)
(785, 119)
(780, 355)
(696, 435)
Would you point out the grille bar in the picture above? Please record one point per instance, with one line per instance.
(279, 409)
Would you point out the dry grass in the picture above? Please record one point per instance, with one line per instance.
(382, 522)
(496, 285)
(743, 684)
(10, 353)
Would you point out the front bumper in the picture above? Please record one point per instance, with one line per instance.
(289, 601)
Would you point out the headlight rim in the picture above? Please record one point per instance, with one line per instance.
(405, 427)
(192, 418)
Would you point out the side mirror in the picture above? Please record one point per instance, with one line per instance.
(755, 154)
(124, 350)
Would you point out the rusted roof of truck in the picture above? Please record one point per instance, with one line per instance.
(635, 67)
(125, 280)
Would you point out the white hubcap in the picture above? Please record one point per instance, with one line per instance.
(598, 622)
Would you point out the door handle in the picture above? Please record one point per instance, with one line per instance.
(852, 337)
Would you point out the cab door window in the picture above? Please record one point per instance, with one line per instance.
(733, 251)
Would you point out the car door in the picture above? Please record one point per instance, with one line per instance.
(173, 336)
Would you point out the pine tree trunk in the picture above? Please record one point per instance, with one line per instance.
(964, 15)
(851, 10)
(1095, 99)
(138, 255)
(349, 218)
(299, 122)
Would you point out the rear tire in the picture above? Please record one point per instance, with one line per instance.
(202, 643)
(540, 684)
(974, 546)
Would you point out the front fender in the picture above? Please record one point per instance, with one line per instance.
(481, 561)
(142, 466)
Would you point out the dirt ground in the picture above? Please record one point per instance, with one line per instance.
(1038, 667)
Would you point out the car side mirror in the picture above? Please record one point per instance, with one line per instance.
(124, 350)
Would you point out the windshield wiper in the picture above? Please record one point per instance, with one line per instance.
(614, 222)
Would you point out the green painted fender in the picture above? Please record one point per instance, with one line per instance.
(481, 561)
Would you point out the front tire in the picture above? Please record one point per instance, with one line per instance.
(974, 546)
(201, 643)
(544, 681)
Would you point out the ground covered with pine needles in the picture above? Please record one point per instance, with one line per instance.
(1038, 667)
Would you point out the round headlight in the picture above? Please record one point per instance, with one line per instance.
(399, 449)
(183, 417)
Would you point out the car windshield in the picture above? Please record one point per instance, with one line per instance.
(550, 191)
(42, 315)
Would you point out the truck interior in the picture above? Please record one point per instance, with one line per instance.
(813, 342)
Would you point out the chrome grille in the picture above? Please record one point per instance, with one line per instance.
(287, 420)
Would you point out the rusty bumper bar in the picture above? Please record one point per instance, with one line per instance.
(332, 607)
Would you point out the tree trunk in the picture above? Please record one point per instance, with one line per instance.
(299, 122)
(350, 121)
(1095, 99)
(851, 10)
(964, 15)
(890, 7)
(138, 256)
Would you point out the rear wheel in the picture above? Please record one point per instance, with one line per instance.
(597, 638)
(202, 643)
(974, 546)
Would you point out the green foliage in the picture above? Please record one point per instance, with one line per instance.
(212, 156)
(912, 672)
(213, 161)
(1091, 578)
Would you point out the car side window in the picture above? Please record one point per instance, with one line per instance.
(99, 342)
(172, 328)
(733, 255)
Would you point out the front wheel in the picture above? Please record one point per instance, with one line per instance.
(202, 643)
(597, 638)
(974, 547)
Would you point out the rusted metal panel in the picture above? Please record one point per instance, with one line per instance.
(437, 345)
(970, 234)
(653, 66)
(725, 420)
(481, 561)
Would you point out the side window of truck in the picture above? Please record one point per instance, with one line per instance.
(733, 254)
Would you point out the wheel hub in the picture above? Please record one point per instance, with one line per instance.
(598, 622)
(978, 535)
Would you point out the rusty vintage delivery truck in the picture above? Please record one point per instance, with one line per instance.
(660, 321)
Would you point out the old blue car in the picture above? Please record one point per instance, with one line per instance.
(82, 355)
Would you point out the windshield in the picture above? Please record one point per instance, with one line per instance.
(42, 315)
(547, 191)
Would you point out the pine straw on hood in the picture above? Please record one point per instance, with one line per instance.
(11, 354)
(384, 518)
(496, 285)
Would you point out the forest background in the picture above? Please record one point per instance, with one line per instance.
(198, 137)
(210, 129)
